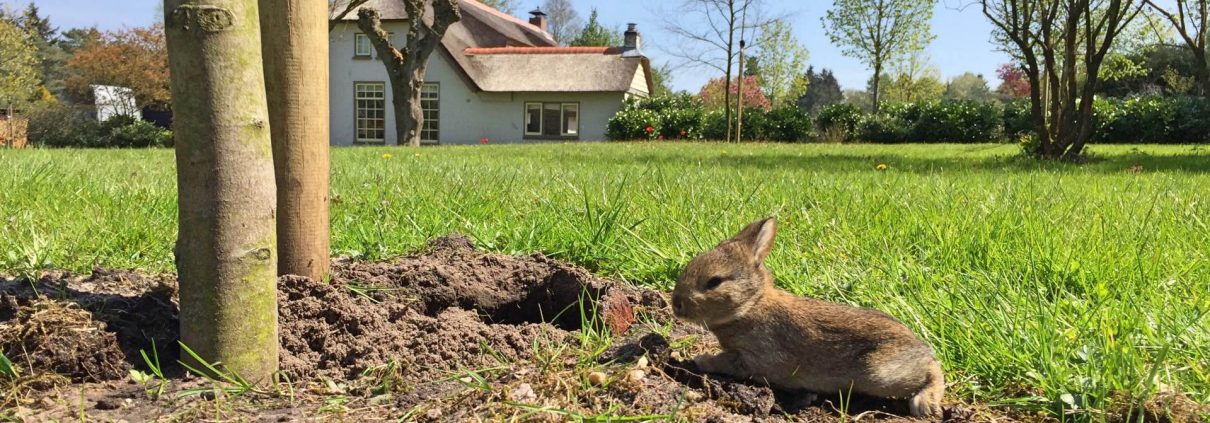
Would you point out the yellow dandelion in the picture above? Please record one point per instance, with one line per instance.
(387, 155)
(417, 154)
(882, 167)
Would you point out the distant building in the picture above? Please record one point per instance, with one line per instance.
(494, 76)
(115, 101)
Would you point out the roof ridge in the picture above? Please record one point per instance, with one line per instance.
(543, 50)
(526, 25)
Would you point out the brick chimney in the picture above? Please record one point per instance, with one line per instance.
(538, 18)
(632, 44)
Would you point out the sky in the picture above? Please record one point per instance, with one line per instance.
(962, 44)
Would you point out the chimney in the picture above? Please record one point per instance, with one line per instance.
(538, 18)
(632, 46)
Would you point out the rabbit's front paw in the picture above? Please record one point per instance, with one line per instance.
(725, 363)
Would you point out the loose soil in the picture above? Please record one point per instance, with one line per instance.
(451, 334)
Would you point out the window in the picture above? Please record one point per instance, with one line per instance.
(370, 99)
(552, 120)
(571, 119)
(430, 103)
(362, 46)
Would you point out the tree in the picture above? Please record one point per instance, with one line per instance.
(51, 55)
(782, 59)
(134, 58)
(1190, 22)
(713, 97)
(912, 78)
(822, 90)
(710, 33)
(968, 86)
(506, 6)
(562, 21)
(225, 251)
(659, 78)
(878, 32)
(596, 35)
(1061, 44)
(407, 64)
(295, 52)
(18, 65)
(1013, 82)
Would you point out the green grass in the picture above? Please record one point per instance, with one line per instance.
(1039, 284)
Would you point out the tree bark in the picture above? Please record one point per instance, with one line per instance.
(295, 46)
(226, 249)
(406, 66)
(877, 81)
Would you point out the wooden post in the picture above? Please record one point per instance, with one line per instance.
(739, 120)
(295, 45)
(226, 248)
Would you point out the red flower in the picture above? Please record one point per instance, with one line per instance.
(483, 140)
(650, 129)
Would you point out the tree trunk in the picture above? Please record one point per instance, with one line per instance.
(226, 249)
(295, 46)
(406, 66)
(877, 80)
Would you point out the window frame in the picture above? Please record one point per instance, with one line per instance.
(357, 130)
(562, 107)
(437, 110)
(357, 54)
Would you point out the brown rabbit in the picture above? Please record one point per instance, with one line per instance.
(800, 343)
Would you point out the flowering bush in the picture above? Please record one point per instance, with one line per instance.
(664, 117)
(713, 96)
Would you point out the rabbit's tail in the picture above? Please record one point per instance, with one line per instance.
(927, 402)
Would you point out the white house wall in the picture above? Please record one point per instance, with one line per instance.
(465, 116)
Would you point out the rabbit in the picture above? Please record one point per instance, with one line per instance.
(790, 342)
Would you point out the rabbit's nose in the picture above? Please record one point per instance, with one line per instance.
(677, 304)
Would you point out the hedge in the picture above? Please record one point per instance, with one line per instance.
(683, 116)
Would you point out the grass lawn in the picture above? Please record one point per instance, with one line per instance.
(1039, 284)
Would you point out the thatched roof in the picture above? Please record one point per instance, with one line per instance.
(500, 53)
(552, 69)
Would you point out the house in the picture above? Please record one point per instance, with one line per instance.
(494, 77)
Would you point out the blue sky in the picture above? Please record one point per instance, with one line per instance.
(963, 35)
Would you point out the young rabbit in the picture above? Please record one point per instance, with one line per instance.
(800, 343)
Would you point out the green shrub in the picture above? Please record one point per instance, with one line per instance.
(135, 134)
(714, 125)
(954, 121)
(59, 125)
(841, 117)
(788, 123)
(1016, 119)
(882, 128)
(1191, 120)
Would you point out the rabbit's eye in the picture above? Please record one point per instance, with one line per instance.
(714, 282)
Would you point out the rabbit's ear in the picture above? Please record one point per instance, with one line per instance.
(758, 238)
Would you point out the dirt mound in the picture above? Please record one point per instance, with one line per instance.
(452, 334)
(60, 338)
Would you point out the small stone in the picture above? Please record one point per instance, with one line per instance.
(433, 413)
(596, 378)
(523, 392)
(636, 375)
(693, 396)
(466, 380)
(642, 363)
